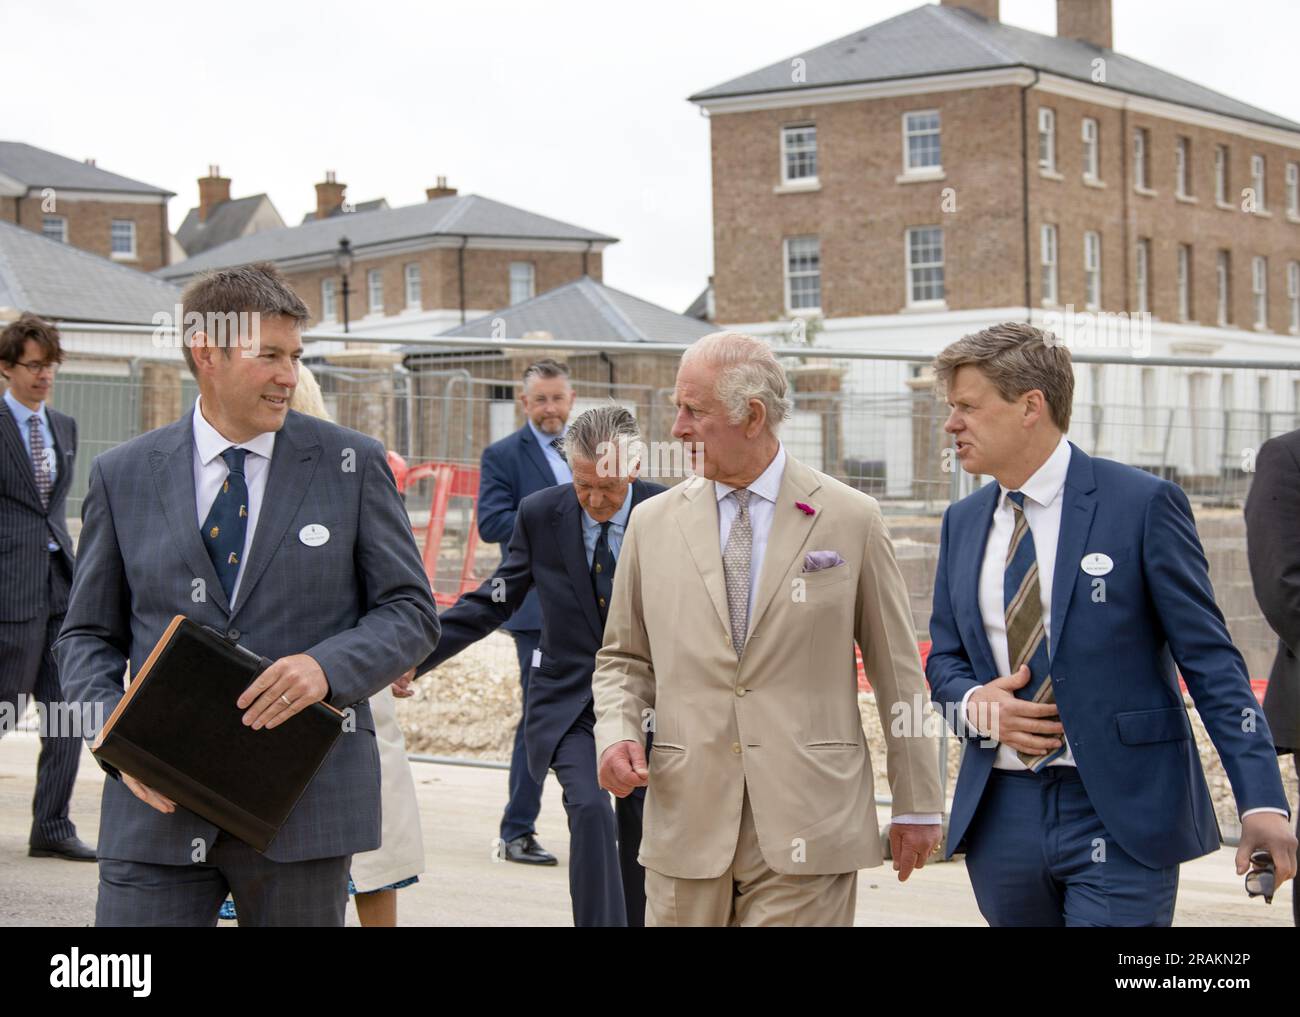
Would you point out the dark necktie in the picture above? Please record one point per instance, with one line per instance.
(1026, 638)
(602, 571)
(40, 459)
(558, 445)
(227, 523)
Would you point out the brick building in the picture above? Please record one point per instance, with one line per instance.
(78, 203)
(939, 171)
(417, 270)
(218, 219)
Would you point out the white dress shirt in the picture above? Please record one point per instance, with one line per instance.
(762, 512)
(210, 471)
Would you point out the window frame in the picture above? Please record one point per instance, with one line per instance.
(1091, 149)
(511, 280)
(130, 255)
(1049, 267)
(374, 285)
(1259, 290)
(789, 275)
(937, 132)
(62, 220)
(407, 278)
(1047, 130)
(786, 154)
(925, 303)
(1091, 274)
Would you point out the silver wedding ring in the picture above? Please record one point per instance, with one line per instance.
(285, 699)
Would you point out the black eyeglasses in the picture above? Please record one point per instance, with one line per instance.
(1261, 881)
(39, 367)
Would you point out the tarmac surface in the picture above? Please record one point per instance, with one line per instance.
(463, 885)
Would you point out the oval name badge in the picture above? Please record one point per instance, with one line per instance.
(1096, 564)
(314, 534)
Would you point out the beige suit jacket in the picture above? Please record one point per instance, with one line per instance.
(782, 719)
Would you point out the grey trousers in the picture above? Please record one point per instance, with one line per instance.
(267, 893)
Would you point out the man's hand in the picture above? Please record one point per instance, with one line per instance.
(288, 686)
(402, 687)
(148, 795)
(623, 769)
(911, 844)
(994, 711)
(1271, 832)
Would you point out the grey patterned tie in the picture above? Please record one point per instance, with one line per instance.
(735, 567)
(40, 459)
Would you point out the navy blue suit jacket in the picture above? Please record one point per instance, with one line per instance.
(1114, 650)
(510, 470)
(546, 556)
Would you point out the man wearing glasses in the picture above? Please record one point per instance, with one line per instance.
(37, 446)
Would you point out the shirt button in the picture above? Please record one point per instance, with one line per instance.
(735, 747)
(740, 690)
(601, 601)
(233, 635)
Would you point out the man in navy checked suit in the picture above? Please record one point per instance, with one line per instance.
(518, 465)
(37, 449)
(322, 577)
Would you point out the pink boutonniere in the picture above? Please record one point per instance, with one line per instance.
(807, 510)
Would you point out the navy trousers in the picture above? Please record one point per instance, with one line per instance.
(595, 871)
(26, 648)
(1038, 855)
(629, 811)
(525, 800)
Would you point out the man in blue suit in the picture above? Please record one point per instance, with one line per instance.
(565, 547)
(1066, 595)
(527, 461)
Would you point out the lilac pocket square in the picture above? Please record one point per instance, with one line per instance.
(816, 561)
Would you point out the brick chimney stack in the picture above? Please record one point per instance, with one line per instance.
(440, 191)
(1086, 20)
(329, 196)
(213, 190)
(986, 9)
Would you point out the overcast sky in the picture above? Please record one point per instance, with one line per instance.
(576, 110)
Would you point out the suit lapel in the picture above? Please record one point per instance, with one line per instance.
(791, 528)
(13, 441)
(1077, 510)
(567, 521)
(172, 463)
(293, 463)
(968, 562)
(533, 452)
(699, 526)
(63, 443)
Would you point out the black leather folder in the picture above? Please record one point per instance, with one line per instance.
(178, 731)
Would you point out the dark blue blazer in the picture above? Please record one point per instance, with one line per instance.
(546, 556)
(1114, 650)
(510, 470)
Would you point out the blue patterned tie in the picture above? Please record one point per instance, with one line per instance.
(227, 523)
(602, 571)
(1026, 637)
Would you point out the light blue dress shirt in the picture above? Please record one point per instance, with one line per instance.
(21, 415)
(563, 475)
(617, 527)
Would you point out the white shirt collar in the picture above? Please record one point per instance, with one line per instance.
(211, 443)
(1045, 485)
(544, 439)
(767, 485)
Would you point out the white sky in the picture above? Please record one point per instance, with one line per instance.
(572, 109)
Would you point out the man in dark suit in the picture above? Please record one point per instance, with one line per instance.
(36, 467)
(1066, 594)
(564, 547)
(287, 534)
(529, 460)
(1273, 546)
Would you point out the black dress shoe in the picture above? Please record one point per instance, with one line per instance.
(526, 849)
(71, 848)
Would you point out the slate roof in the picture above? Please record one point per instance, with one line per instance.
(226, 222)
(36, 167)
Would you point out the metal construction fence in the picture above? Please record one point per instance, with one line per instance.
(873, 420)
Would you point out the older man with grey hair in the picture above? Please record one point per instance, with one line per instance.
(738, 600)
(566, 544)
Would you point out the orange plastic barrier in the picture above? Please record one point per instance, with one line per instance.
(449, 481)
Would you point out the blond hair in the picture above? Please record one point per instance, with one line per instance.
(307, 396)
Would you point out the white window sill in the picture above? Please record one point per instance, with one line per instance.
(1292, 217)
(1146, 192)
(798, 186)
(119, 256)
(1093, 182)
(412, 309)
(1226, 206)
(1263, 212)
(1186, 199)
(1260, 327)
(921, 176)
(803, 312)
(1049, 174)
(1051, 305)
(922, 306)
(1094, 308)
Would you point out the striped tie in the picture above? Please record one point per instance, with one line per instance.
(557, 445)
(1026, 639)
(736, 559)
(40, 459)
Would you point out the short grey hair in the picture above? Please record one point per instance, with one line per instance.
(603, 431)
(1016, 358)
(546, 368)
(748, 370)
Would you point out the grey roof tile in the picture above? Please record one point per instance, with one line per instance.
(225, 223)
(36, 167)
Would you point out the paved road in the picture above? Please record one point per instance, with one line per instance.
(464, 886)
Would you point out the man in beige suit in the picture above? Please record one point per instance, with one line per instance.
(737, 599)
